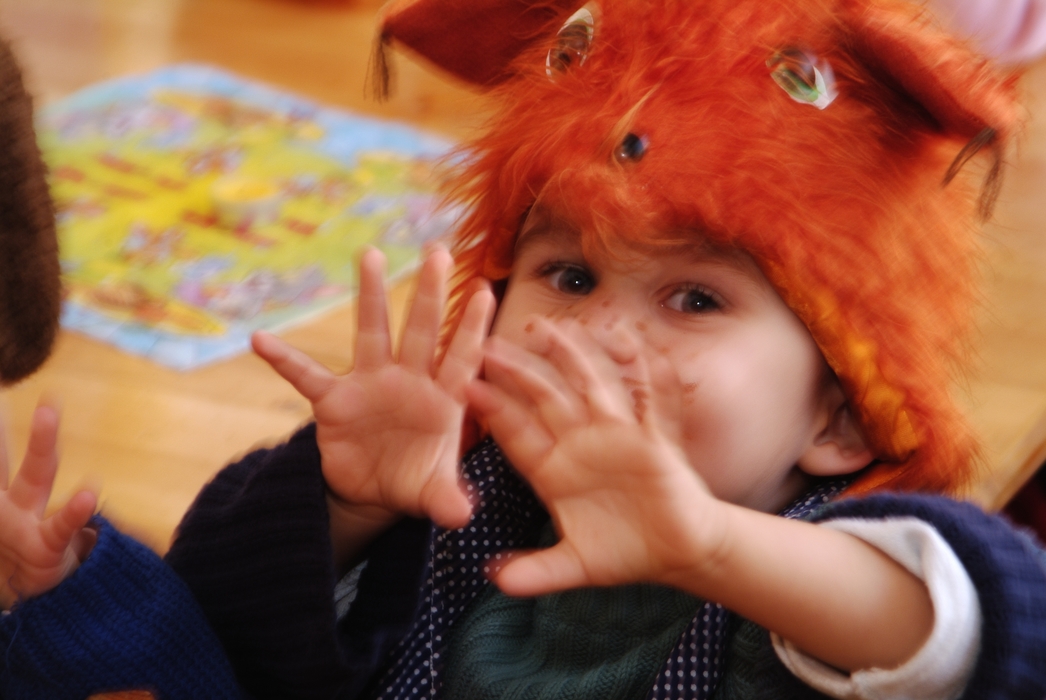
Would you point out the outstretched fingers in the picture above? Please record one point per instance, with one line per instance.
(531, 378)
(669, 396)
(465, 353)
(583, 364)
(4, 463)
(373, 342)
(31, 487)
(311, 379)
(421, 332)
(514, 426)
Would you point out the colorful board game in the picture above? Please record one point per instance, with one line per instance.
(195, 207)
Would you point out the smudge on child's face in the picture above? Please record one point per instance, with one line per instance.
(639, 398)
(751, 377)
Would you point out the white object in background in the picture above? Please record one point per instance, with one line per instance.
(1011, 31)
(243, 201)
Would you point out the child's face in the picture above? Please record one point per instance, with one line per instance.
(753, 380)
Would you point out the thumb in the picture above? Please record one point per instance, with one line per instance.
(541, 572)
(311, 379)
(446, 502)
(59, 531)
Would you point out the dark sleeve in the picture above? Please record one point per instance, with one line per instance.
(1006, 568)
(122, 621)
(255, 550)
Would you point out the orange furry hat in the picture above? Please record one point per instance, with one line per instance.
(822, 137)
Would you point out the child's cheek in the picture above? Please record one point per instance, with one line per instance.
(718, 399)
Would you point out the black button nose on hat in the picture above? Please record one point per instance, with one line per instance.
(631, 149)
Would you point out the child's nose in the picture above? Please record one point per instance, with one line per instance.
(610, 325)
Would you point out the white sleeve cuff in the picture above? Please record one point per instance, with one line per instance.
(941, 669)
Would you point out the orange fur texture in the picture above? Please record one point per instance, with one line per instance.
(844, 209)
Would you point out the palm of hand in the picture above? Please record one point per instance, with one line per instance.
(626, 503)
(389, 431)
(391, 438)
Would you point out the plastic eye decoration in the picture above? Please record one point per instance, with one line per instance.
(632, 148)
(803, 76)
(572, 43)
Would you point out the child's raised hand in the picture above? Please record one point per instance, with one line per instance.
(598, 442)
(389, 431)
(37, 553)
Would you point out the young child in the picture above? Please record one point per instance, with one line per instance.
(729, 283)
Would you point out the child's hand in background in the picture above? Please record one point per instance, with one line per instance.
(389, 431)
(599, 444)
(37, 553)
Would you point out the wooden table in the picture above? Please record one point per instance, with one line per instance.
(151, 437)
(1008, 398)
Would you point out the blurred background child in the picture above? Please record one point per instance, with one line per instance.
(1012, 31)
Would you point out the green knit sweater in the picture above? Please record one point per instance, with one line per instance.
(585, 644)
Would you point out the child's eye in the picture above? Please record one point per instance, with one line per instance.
(693, 300)
(569, 279)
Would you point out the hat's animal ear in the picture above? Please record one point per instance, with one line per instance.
(30, 289)
(474, 40)
(960, 91)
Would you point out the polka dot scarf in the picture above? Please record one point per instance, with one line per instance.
(508, 516)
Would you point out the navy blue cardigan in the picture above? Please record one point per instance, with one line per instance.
(243, 607)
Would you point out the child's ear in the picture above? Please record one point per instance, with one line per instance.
(839, 446)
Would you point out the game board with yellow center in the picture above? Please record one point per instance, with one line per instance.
(195, 207)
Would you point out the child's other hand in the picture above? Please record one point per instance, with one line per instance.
(598, 442)
(37, 553)
(389, 431)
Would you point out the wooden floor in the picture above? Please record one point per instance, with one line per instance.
(150, 437)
